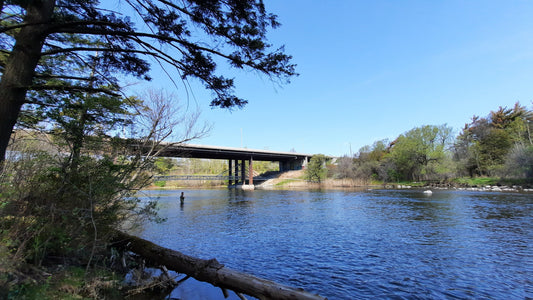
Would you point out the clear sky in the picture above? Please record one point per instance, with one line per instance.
(371, 70)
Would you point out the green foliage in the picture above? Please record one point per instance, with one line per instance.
(418, 154)
(163, 165)
(202, 166)
(483, 145)
(65, 198)
(265, 166)
(71, 214)
(478, 181)
(160, 183)
(70, 283)
(69, 205)
(369, 163)
(498, 145)
(316, 169)
(284, 182)
(216, 166)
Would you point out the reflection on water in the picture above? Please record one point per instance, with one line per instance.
(357, 244)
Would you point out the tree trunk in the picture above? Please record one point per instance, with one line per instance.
(20, 66)
(213, 272)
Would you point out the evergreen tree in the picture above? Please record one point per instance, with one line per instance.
(484, 143)
(316, 169)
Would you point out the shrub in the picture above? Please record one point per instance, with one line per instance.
(316, 169)
(160, 183)
(50, 212)
(519, 162)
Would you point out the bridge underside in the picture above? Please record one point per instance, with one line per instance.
(239, 160)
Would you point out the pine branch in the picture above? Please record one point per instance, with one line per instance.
(50, 76)
(92, 49)
(71, 89)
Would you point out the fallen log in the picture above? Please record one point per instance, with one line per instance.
(212, 271)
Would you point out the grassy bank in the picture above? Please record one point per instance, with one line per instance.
(296, 179)
(68, 283)
(493, 181)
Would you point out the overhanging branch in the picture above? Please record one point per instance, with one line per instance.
(93, 49)
(72, 88)
(50, 76)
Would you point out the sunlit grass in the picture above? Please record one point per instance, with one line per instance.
(70, 283)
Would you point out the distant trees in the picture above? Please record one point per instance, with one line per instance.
(345, 167)
(163, 165)
(201, 166)
(367, 164)
(265, 166)
(419, 153)
(482, 146)
(497, 145)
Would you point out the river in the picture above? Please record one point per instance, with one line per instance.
(394, 244)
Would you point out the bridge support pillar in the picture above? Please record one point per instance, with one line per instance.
(230, 165)
(233, 173)
(236, 174)
(251, 171)
(243, 172)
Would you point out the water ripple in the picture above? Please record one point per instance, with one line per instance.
(347, 245)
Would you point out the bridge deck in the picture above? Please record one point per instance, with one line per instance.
(215, 152)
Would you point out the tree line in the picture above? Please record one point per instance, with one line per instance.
(497, 145)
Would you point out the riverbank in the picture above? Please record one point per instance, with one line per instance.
(296, 180)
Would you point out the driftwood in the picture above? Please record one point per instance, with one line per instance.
(212, 271)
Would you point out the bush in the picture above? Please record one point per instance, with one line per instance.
(160, 183)
(316, 169)
(519, 162)
(51, 212)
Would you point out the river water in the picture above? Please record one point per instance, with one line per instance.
(394, 244)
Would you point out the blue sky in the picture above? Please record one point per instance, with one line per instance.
(371, 70)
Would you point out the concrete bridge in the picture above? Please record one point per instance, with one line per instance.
(239, 159)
